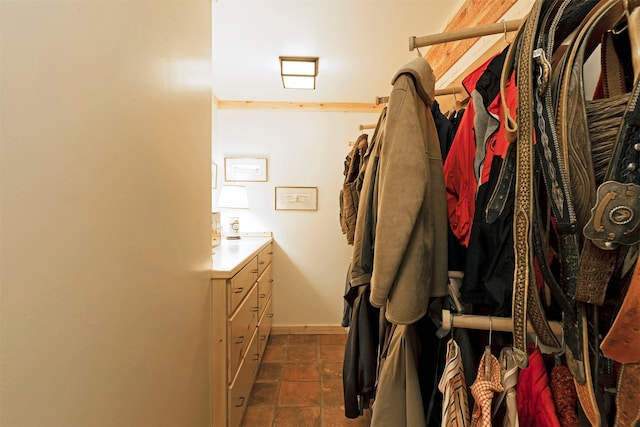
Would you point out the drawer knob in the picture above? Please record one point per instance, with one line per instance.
(263, 295)
(241, 400)
(261, 262)
(255, 309)
(238, 290)
(270, 253)
(270, 315)
(263, 337)
(240, 340)
(254, 271)
(270, 280)
(256, 356)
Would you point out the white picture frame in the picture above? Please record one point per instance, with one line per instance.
(248, 169)
(296, 198)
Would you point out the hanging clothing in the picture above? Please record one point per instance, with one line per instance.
(483, 389)
(361, 351)
(535, 402)
(446, 133)
(359, 367)
(509, 379)
(362, 263)
(409, 203)
(488, 277)
(461, 184)
(565, 396)
(398, 397)
(444, 128)
(354, 163)
(452, 385)
(455, 118)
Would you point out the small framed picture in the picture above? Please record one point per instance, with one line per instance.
(214, 175)
(297, 198)
(245, 169)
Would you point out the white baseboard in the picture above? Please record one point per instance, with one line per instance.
(309, 330)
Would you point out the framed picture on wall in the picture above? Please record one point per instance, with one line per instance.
(296, 198)
(252, 169)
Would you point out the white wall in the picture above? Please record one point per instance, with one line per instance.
(105, 170)
(311, 253)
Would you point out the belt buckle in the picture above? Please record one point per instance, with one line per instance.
(615, 217)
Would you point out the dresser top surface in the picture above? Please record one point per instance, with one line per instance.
(232, 255)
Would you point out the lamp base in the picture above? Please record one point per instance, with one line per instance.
(233, 237)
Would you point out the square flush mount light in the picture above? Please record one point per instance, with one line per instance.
(298, 72)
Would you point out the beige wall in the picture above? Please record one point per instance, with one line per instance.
(311, 253)
(105, 209)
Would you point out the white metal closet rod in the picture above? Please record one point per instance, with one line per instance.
(503, 324)
(465, 33)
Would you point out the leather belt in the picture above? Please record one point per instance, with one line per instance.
(500, 195)
(628, 411)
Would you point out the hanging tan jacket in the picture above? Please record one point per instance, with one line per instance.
(408, 202)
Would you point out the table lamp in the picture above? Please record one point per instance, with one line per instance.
(233, 197)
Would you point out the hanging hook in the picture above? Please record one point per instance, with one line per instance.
(455, 99)
(504, 33)
(415, 46)
(490, 329)
(487, 353)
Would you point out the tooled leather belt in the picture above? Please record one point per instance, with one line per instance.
(523, 203)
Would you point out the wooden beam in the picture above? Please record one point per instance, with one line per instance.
(343, 107)
(471, 14)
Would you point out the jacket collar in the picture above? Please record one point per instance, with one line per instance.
(423, 76)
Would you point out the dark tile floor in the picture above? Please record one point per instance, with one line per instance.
(299, 384)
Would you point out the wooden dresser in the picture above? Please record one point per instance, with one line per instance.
(241, 283)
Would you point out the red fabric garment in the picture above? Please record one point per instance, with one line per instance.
(460, 180)
(497, 144)
(534, 398)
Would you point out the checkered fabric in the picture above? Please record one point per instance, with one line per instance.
(483, 389)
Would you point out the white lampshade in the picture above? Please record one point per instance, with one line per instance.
(233, 196)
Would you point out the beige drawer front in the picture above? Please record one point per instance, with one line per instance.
(265, 285)
(264, 258)
(240, 390)
(264, 328)
(241, 328)
(241, 283)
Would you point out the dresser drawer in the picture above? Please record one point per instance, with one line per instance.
(264, 328)
(265, 285)
(264, 258)
(240, 284)
(241, 328)
(240, 389)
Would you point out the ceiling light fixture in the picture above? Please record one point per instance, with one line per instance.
(298, 72)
